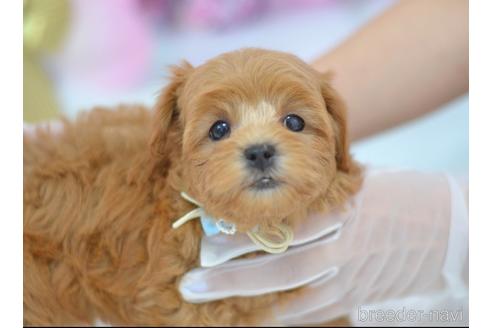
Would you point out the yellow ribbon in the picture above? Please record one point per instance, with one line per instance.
(282, 231)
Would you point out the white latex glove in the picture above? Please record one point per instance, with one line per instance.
(405, 233)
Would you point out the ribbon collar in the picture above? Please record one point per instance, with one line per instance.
(213, 226)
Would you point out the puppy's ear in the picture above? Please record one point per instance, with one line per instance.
(337, 109)
(166, 111)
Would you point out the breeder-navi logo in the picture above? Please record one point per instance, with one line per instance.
(409, 315)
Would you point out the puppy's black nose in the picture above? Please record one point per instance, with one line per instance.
(260, 157)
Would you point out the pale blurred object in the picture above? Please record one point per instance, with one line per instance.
(109, 47)
(44, 27)
(221, 14)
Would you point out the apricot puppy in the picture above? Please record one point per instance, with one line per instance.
(258, 137)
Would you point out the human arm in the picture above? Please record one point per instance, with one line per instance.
(405, 63)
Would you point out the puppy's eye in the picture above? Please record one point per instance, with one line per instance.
(294, 123)
(219, 130)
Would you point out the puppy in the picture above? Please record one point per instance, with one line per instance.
(256, 136)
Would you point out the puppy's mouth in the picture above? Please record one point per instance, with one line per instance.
(265, 183)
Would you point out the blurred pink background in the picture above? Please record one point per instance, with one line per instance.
(118, 48)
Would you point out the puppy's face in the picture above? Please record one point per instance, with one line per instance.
(261, 135)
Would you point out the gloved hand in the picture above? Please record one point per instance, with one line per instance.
(405, 233)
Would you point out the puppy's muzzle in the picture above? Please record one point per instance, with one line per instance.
(260, 157)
